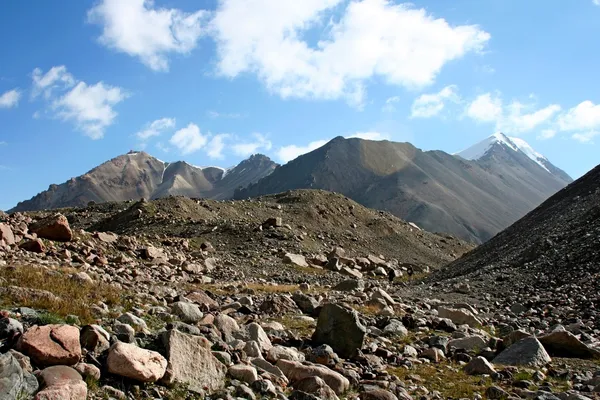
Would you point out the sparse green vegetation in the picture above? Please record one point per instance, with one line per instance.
(54, 292)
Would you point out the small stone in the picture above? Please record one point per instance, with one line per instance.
(244, 373)
(479, 366)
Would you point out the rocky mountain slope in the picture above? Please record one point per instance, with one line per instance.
(286, 297)
(555, 248)
(138, 175)
(473, 199)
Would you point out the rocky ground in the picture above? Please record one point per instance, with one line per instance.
(282, 297)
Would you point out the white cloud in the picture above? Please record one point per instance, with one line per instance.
(288, 153)
(10, 98)
(136, 28)
(514, 118)
(3, 143)
(189, 139)
(90, 107)
(584, 116)
(370, 136)
(248, 148)
(56, 77)
(390, 104)
(156, 128)
(547, 134)
(596, 2)
(485, 108)
(405, 46)
(216, 114)
(585, 137)
(216, 145)
(429, 105)
(583, 120)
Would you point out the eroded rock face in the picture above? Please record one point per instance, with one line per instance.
(190, 361)
(51, 345)
(340, 328)
(54, 227)
(133, 362)
(526, 352)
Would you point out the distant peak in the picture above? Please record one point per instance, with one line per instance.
(482, 148)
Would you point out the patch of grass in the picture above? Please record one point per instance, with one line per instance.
(299, 326)
(48, 318)
(53, 291)
(367, 310)
(220, 289)
(446, 378)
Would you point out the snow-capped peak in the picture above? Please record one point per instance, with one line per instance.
(516, 144)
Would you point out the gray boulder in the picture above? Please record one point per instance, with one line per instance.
(561, 343)
(527, 352)
(340, 328)
(15, 382)
(187, 312)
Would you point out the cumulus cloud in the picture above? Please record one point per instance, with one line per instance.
(138, 28)
(430, 105)
(156, 128)
(485, 108)
(583, 121)
(405, 47)
(56, 78)
(513, 118)
(10, 98)
(189, 139)
(259, 142)
(216, 145)
(90, 107)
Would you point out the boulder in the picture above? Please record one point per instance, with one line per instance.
(561, 343)
(470, 343)
(61, 382)
(191, 362)
(377, 394)
(33, 246)
(133, 362)
(226, 325)
(187, 312)
(200, 297)
(379, 293)
(527, 352)
(14, 381)
(434, 354)
(51, 345)
(106, 237)
(316, 386)
(277, 353)
(244, 373)
(94, 338)
(88, 371)
(340, 328)
(295, 259)
(395, 328)
(479, 366)
(10, 328)
(459, 316)
(349, 285)
(55, 227)
(296, 372)
(307, 304)
(6, 234)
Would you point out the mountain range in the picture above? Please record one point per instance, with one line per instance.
(473, 194)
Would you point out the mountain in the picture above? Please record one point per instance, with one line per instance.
(137, 174)
(474, 195)
(551, 253)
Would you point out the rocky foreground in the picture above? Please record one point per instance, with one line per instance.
(153, 312)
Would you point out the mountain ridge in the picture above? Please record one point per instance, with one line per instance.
(138, 175)
(438, 191)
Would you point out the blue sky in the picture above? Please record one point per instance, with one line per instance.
(212, 82)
